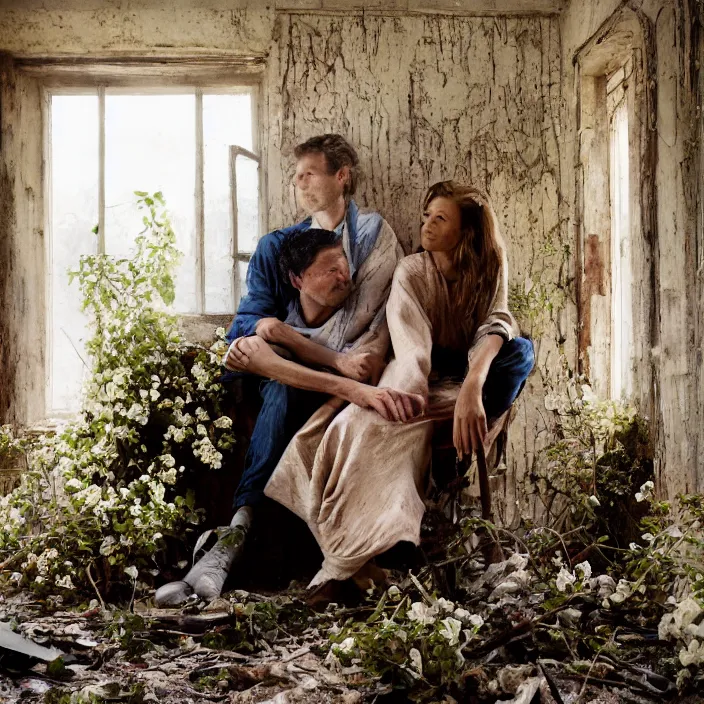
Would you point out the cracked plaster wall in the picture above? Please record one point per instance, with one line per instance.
(675, 321)
(423, 97)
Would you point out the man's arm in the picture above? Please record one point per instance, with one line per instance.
(354, 365)
(262, 289)
(260, 359)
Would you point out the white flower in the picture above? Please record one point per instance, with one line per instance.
(674, 624)
(646, 492)
(347, 645)
(16, 577)
(393, 592)
(694, 655)
(623, 591)
(564, 578)
(73, 484)
(91, 495)
(451, 629)
(107, 546)
(593, 501)
(168, 461)
(169, 476)
(65, 582)
(462, 614)
(202, 414)
(585, 568)
(223, 422)
(416, 660)
(156, 536)
(422, 613)
(154, 394)
(445, 605)
(131, 571)
(476, 620)
(39, 579)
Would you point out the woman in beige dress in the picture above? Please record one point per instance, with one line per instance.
(356, 478)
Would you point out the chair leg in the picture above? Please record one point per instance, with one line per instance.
(492, 551)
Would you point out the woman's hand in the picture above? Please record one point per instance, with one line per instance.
(469, 428)
(388, 403)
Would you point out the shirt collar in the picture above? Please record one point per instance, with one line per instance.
(343, 230)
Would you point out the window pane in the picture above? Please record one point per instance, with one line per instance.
(74, 212)
(150, 146)
(242, 273)
(227, 120)
(247, 204)
(621, 278)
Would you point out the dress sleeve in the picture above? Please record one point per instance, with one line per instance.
(499, 320)
(410, 330)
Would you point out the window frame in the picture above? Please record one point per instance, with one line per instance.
(140, 75)
(622, 43)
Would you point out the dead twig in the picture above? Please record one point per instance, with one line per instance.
(95, 586)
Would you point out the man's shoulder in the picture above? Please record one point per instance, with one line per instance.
(271, 242)
(370, 221)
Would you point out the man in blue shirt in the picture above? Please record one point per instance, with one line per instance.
(318, 290)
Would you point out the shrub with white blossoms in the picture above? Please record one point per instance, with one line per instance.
(101, 494)
(420, 639)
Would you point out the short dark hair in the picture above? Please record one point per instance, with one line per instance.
(300, 249)
(338, 153)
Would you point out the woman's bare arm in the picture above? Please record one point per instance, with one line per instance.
(470, 425)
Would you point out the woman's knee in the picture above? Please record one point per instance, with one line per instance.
(517, 355)
(525, 354)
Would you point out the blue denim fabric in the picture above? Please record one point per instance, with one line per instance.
(284, 411)
(507, 375)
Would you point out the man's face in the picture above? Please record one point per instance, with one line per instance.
(316, 189)
(327, 280)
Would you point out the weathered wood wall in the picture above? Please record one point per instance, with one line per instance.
(673, 321)
(431, 98)
(485, 97)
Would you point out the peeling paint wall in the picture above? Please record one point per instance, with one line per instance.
(426, 99)
(423, 97)
(21, 248)
(672, 325)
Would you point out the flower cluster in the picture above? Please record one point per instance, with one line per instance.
(421, 639)
(105, 489)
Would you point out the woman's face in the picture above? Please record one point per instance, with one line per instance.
(440, 231)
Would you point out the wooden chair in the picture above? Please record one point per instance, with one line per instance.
(488, 458)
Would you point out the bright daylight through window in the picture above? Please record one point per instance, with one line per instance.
(197, 148)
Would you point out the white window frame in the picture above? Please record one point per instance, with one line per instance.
(136, 76)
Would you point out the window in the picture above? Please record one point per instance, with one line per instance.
(196, 146)
(621, 259)
(615, 214)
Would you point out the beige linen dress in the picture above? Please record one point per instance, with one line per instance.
(357, 479)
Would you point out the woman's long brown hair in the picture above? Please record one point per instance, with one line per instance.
(478, 257)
